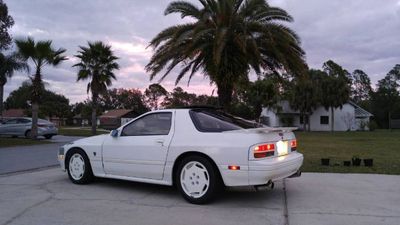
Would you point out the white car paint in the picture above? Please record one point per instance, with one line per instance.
(151, 159)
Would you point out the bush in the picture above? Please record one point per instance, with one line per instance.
(372, 125)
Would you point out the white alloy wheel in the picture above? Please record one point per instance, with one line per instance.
(195, 179)
(76, 166)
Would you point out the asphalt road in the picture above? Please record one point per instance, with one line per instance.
(47, 197)
(21, 158)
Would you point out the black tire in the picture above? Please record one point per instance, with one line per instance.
(215, 182)
(28, 134)
(48, 136)
(87, 174)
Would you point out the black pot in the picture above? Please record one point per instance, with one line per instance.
(368, 162)
(346, 163)
(356, 161)
(325, 162)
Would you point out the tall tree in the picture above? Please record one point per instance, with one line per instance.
(335, 88)
(225, 39)
(153, 94)
(8, 65)
(361, 89)
(97, 64)
(6, 22)
(305, 95)
(41, 54)
(179, 98)
(261, 93)
(53, 104)
(386, 99)
(124, 99)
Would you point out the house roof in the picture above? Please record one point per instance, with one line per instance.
(284, 108)
(360, 112)
(14, 113)
(116, 113)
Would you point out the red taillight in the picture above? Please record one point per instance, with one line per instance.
(293, 145)
(264, 150)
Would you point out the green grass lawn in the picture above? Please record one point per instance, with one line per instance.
(79, 131)
(9, 142)
(382, 146)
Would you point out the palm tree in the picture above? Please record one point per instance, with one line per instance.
(225, 40)
(97, 63)
(41, 54)
(8, 65)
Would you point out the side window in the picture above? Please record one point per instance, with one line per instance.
(152, 124)
(212, 122)
(324, 120)
(12, 121)
(23, 121)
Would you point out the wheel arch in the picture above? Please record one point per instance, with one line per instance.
(26, 132)
(191, 153)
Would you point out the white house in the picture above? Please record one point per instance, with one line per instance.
(350, 117)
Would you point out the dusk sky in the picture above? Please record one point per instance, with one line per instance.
(357, 34)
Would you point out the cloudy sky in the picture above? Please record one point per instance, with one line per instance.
(358, 34)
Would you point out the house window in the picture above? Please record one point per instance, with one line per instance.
(324, 120)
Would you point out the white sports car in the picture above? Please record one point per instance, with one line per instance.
(199, 150)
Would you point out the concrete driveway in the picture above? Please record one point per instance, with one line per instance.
(48, 197)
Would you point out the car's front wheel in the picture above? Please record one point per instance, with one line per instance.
(79, 169)
(197, 179)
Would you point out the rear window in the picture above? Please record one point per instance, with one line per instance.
(211, 120)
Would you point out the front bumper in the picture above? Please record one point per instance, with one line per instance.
(260, 172)
(61, 158)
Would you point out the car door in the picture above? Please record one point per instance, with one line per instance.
(8, 127)
(141, 148)
(22, 126)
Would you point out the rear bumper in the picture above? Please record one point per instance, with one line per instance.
(47, 131)
(261, 171)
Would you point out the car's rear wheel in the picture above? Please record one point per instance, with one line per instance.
(79, 169)
(197, 179)
(28, 134)
(48, 136)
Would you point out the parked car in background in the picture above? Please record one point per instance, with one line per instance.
(16, 127)
(199, 150)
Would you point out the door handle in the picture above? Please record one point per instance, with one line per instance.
(160, 141)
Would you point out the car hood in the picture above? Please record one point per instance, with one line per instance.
(94, 140)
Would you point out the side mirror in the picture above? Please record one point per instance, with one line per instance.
(114, 133)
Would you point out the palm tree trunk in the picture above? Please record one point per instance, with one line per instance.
(257, 112)
(225, 95)
(94, 113)
(34, 128)
(333, 120)
(1, 99)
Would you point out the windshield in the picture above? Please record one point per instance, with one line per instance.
(211, 120)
